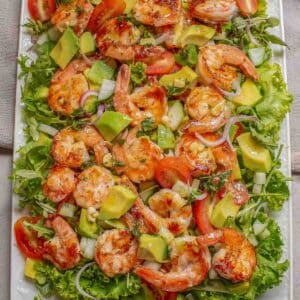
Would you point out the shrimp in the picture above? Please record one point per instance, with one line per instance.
(66, 88)
(71, 147)
(205, 160)
(158, 12)
(212, 11)
(236, 259)
(190, 263)
(137, 157)
(75, 14)
(147, 101)
(167, 210)
(60, 183)
(93, 187)
(63, 250)
(118, 38)
(217, 65)
(116, 252)
(208, 107)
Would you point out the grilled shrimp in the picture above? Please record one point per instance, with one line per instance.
(167, 210)
(63, 250)
(137, 157)
(118, 38)
(206, 160)
(236, 259)
(75, 14)
(71, 147)
(190, 263)
(147, 101)
(208, 108)
(67, 87)
(93, 186)
(60, 183)
(217, 65)
(212, 11)
(157, 12)
(116, 252)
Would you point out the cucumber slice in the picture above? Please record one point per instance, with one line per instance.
(175, 115)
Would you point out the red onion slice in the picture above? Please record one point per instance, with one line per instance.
(251, 36)
(162, 38)
(202, 197)
(77, 281)
(236, 85)
(86, 95)
(101, 109)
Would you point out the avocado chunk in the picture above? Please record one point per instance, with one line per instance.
(29, 270)
(155, 246)
(99, 71)
(178, 82)
(255, 156)
(65, 49)
(236, 172)
(165, 137)
(87, 43)
(249, 95)
(42, 92)
(91, 104)
(87, 228)
(118, 202)
(224, 208)
(197, 34)
(129, 5)
(112, 123)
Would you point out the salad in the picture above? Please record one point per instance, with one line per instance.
(152, 159)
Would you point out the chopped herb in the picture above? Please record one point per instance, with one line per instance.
(215, 182)
(42, 231)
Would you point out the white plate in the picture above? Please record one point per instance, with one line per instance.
(22, 289)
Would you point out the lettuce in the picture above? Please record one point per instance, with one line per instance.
(272, 110)
(49, 280)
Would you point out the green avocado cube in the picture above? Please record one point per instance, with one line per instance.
(165, 137)
(119, 200)
(112, 123)
(99, 71)
(87, 43)
(65, 49)
(87, 228)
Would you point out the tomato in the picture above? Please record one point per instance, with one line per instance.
(239, 192)
(162, 65)
(239, 131)
(105, 10)
(171, 296)
(27, 240)
(41, 10)
(201, 213)
(171, 169)
(247, 7)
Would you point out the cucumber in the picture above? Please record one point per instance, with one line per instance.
(68, 210)
(175, 115)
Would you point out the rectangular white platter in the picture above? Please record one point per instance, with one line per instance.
(22, 289)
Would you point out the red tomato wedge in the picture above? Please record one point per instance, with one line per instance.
(247, 7)
(162, 65)
(201, 214)
(171, 296)
(105, 10)
(41, 10)
(171, 169)
(28, 242)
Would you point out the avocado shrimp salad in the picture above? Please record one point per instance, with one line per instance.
(152, 159)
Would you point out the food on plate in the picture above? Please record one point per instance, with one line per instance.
(152, 160)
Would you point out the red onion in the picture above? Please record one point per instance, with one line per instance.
(162, 38)
(101, 109)
(86, 95)
(251, 37)
(236, 85)
(202, 197)
(77, 281)
(225, 134)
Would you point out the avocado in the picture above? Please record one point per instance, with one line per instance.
(112, 123)
(115, 224)
(53, 34)
(224, 208)
(66, 48)
(42, 92)
(99, 71)
(155, 245)
(165, 137)
(255, 156)
(180, 80)
(118, 202)
(87, 43)
(29, 270)
(249, 95)
(197, 34)
(91, 104)
(129, 5)
(87, 228)
(236, 172)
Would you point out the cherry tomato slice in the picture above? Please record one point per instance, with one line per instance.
(247, 7)
(239, 192)
(163, 65)
(28, 242)
(201, 213)
(103, 11)
(171, 169)
(41, 10)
